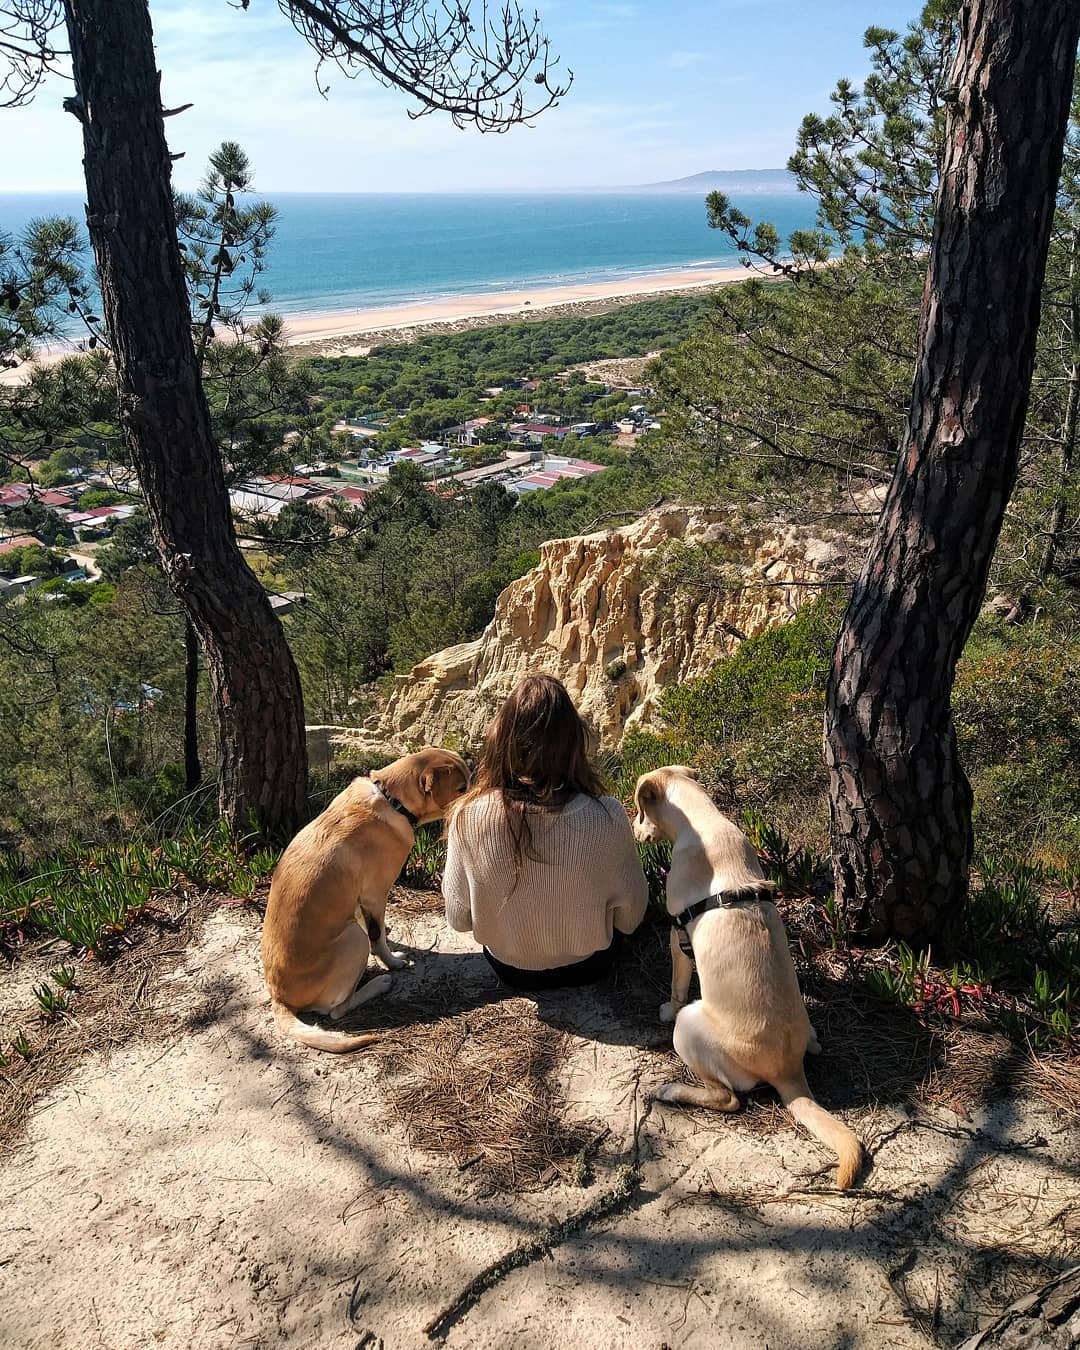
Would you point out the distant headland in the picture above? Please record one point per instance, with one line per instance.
(725, 180)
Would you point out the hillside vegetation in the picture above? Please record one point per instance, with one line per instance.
(91, 675)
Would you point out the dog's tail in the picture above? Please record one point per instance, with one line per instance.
(795, 1094)
(318, 1038)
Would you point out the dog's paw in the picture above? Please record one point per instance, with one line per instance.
(668, 1093)
(397, 960)
(669, 1011)
(379, 984)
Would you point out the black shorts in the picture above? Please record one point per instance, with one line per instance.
(588, 971)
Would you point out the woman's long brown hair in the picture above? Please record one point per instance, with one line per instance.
(535, 754)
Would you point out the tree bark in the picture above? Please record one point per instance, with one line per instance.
(900, 801)
(256, 691)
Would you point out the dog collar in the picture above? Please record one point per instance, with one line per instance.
(399, 807)
(721, 900)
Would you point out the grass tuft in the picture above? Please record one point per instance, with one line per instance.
(88, 896)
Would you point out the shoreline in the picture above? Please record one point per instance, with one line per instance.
(355, 332)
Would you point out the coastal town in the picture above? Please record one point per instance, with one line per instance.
(51, 534)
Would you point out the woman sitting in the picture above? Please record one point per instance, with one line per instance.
(540, 866)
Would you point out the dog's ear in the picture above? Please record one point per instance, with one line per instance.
(430, 777)
(647, 794)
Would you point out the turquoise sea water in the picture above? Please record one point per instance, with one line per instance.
(341, 252)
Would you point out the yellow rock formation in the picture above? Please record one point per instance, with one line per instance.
(597, 613)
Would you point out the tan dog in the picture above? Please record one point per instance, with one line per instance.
(750, 1026)
(327, 902)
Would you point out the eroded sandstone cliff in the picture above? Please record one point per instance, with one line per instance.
(600, 612)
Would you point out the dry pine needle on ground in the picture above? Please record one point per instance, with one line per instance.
(483, 1088)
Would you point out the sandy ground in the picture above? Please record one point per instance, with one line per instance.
(209, 1185)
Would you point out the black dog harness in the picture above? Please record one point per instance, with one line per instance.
(399, 807)
(721, 900)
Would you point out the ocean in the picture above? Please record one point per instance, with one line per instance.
(360, 251)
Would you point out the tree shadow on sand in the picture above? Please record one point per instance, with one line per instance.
(903, 1220)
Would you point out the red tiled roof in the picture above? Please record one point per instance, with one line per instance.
(98, 513)
(15, 494)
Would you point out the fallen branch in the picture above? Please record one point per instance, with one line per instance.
(626, 1183)
(1050, 1306)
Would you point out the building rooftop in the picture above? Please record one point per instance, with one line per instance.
(19, 541)
(99, 513)
(255, 503)
(18, 494)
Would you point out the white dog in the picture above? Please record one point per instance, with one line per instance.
(750, 1026)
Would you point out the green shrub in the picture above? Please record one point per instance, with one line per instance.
(1016, 705)
(752, 730)
(655, 861)
(640, 752)
(782, 758)
(88, 896)
(615, 670)
(752, 688)
(1012, 963)
(424, 866)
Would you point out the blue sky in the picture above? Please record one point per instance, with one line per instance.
(662, 89)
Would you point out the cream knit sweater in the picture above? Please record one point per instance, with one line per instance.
(588, 880)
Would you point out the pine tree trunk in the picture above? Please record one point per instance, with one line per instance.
(900, 802)
(255, 687)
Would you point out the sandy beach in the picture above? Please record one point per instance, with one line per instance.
(354, 332)
(363, 325)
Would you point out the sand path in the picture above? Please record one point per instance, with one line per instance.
(211, 1186)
